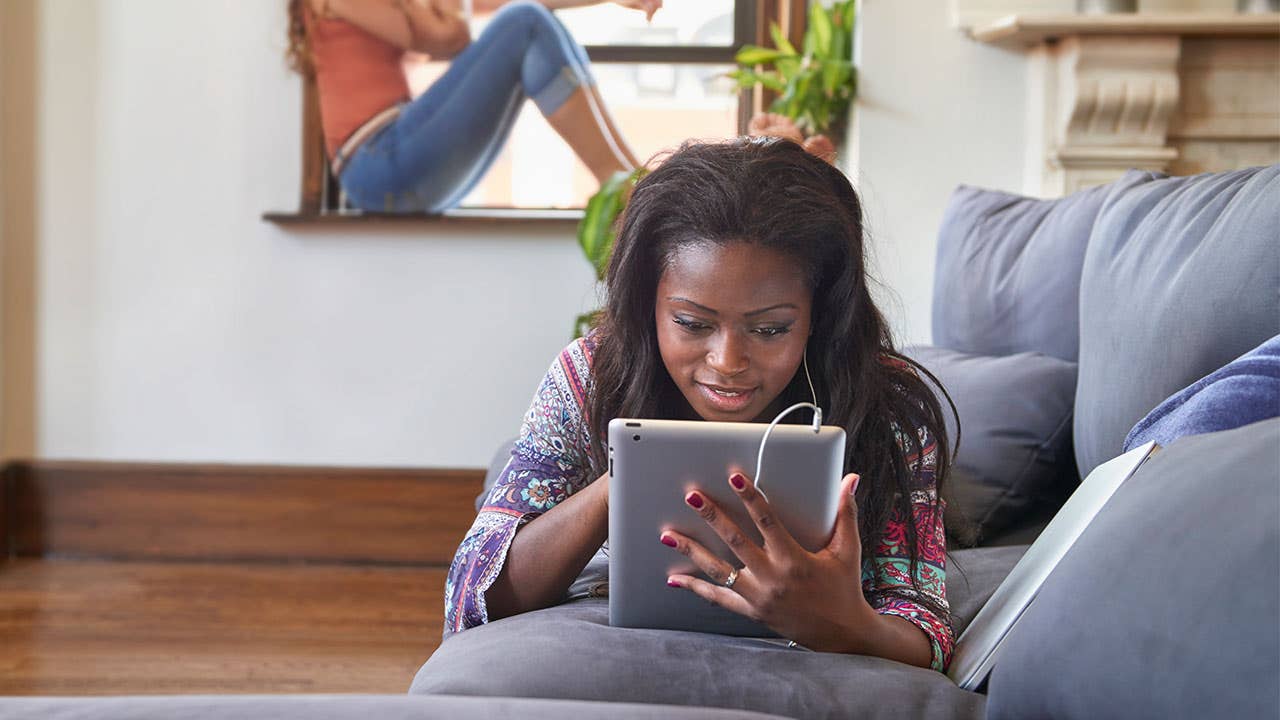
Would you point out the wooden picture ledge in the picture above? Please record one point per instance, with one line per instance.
(567, 219)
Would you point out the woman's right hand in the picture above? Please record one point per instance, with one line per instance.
(648, 7)
(439, 27)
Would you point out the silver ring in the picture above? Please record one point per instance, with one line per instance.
(733, 578)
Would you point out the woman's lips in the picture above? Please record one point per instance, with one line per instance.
(727, 400)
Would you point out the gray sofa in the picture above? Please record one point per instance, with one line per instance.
(1058, 324)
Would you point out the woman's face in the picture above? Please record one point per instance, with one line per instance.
(732, 320)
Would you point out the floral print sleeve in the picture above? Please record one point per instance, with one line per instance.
(550, 461)
(892, 593)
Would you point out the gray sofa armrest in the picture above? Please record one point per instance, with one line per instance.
(340, 707)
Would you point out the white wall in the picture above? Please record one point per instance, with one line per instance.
(173, 324)
(935, 109)
(176, 325)
(5, 21)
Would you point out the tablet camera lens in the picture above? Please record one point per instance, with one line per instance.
(636, 438)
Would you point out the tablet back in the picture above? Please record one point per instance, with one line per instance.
(655, 463)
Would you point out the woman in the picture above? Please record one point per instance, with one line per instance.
(391, 154)
(733, 262)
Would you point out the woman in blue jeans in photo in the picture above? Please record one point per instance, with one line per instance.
(393, 154)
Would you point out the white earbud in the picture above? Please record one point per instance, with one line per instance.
(817, 421)
(817, 418)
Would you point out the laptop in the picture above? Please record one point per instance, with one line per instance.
(979, 646)
(653, 464)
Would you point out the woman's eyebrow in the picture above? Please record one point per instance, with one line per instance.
(779, 306)
(687, 301)
(709, 311)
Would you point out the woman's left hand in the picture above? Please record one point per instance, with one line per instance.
(813, 598)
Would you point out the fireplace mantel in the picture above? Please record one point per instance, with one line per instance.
(1025, 31)
(1178, 93)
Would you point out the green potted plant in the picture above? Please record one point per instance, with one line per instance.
(815, 85)
(596, 232)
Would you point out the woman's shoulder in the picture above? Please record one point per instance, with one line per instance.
(579, 356)
(583, 349)
(555, 431)
(570, 372)
(921, 450)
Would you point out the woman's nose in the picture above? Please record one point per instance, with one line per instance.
(728, 355)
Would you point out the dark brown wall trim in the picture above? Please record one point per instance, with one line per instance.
(6, 509)
(238, 513)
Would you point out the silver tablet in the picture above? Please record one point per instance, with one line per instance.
(653, 464)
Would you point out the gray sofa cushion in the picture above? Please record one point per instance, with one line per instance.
(570, 651)
(972, 578)
(337, 707)
(1008, 270)
(1015, 443)
(1182, 275)
(1167, 604)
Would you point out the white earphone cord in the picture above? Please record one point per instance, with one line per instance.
(817, 422)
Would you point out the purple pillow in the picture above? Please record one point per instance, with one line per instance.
(1240, 393)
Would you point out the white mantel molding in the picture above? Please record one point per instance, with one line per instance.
(966, 14)
(1113, 92)
(1015, 31)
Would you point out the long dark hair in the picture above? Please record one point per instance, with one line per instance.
(298, 53)
(770, 192)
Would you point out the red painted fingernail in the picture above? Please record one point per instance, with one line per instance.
(738, 481)
(672, 583)
(668, 541)
(694, 500)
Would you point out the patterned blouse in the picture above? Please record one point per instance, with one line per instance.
(552, 460)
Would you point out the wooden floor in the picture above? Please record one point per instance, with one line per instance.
(140, 628)
(164, 579)
(95, 628)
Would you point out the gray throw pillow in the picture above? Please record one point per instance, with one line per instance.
(1015, 424)
(1008, 269)
(1182, 276)
(1166, 607)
